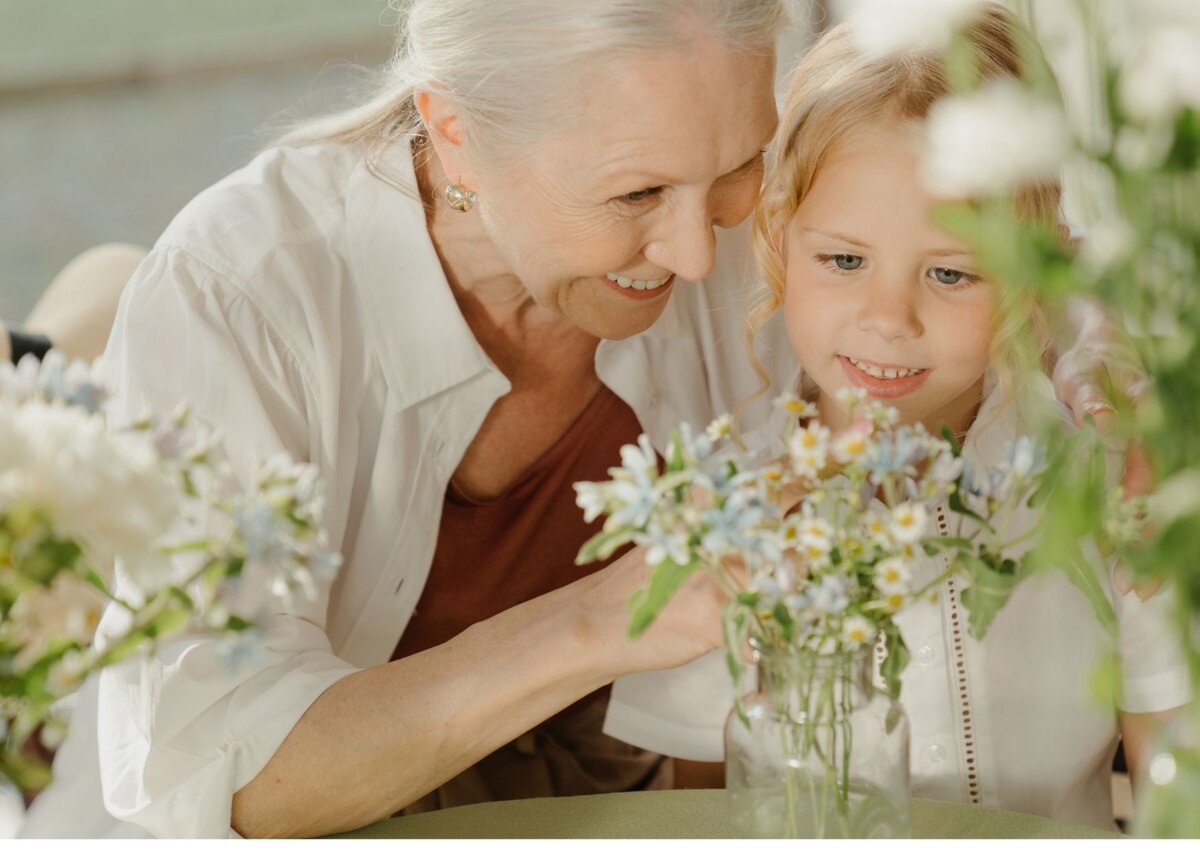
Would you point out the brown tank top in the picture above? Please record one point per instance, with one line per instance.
(496, 554)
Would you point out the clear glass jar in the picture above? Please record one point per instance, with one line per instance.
(819, 752)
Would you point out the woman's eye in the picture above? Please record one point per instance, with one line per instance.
(844, 262)
(951, 277)
(641, 194)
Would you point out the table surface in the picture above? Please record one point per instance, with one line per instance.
(683, 814)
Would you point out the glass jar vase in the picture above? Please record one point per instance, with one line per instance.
(817, 751)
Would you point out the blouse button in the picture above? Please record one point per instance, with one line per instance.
(935, 753)
(925, 655)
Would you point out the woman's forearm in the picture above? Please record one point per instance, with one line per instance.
(381, 738)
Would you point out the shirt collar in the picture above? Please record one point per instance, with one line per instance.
(413, 320)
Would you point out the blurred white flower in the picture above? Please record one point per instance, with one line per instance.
(908, 523)
(71, 467)
(1163, 76)
(853, 445)
(887, 27)
(857, 631)
(793, 404)
(892, 576)
(992, 141)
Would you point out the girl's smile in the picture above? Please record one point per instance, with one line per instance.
(883, 381)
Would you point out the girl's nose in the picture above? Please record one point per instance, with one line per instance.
(890, 309)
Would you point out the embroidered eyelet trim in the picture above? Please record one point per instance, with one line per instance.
(960, 677)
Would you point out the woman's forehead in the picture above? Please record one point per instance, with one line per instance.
(674, 117)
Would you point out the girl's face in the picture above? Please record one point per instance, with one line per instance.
(878, 297)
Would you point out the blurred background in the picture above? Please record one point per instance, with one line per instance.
(114, 113)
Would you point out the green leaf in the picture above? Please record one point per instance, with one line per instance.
(601, 545)
(895, 662)
(934, 545)
(989, 591)
(783, 618)
(647, 602)
(94, 580)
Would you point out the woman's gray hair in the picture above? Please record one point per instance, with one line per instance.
(512, 66)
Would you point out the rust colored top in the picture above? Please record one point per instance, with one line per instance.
(496, 554)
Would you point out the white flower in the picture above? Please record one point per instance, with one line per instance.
(1163, 77)
(946, 468)
(852, 398)
(879, 528)
(793, 404)
(640, 459)
(853, 445)
(888, 27)
(993, 141)
(857, 631)
(105, 489)
(908, 523)
(892, 576)
(816, 532)
(808, 448)
(592, 497)
(719, 428)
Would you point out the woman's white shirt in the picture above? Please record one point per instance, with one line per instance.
(299, 305)
(1010, 722)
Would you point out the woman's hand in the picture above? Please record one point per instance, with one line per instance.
(688, 626)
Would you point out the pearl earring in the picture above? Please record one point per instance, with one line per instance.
(459, 197)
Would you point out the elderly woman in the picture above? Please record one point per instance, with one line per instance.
(455, 300)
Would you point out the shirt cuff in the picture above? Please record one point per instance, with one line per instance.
(644, 730)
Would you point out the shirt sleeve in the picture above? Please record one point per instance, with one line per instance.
(680, 712)
(1154, 671)
(181, 730)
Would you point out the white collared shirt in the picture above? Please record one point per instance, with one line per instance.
(1009, 722)
(299, 305)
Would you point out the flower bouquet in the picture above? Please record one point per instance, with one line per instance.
(817, 550)
(77, 493)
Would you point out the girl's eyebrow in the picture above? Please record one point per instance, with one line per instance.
(835, 236)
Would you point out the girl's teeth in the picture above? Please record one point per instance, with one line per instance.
(637, 283)
(881, 373)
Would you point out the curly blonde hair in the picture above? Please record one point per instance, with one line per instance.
(835, 90)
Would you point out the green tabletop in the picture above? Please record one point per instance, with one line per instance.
(683, 814)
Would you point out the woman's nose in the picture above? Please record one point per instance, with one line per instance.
(686, 245)
(890, 309)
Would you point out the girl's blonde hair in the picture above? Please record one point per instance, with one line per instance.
(836, 90)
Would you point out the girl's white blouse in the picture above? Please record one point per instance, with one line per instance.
(1012, 722)
(299, 305)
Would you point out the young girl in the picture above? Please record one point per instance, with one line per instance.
(875, 296)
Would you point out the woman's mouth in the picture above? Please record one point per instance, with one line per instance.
(880, 380)
(639, 288)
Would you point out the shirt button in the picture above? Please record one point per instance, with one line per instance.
(925, 655)
(935, 753)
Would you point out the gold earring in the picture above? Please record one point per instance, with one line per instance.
(459, 197)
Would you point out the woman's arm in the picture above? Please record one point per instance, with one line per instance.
(383, 737)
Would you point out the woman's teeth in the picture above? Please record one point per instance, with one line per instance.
(637, 283)
(880, 373)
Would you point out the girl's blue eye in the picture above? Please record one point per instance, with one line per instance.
(952, 277)
(847, 262)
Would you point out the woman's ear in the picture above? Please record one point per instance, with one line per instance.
(443, 125)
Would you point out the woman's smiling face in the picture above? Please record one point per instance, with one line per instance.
(877, 296)
(602, 224)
